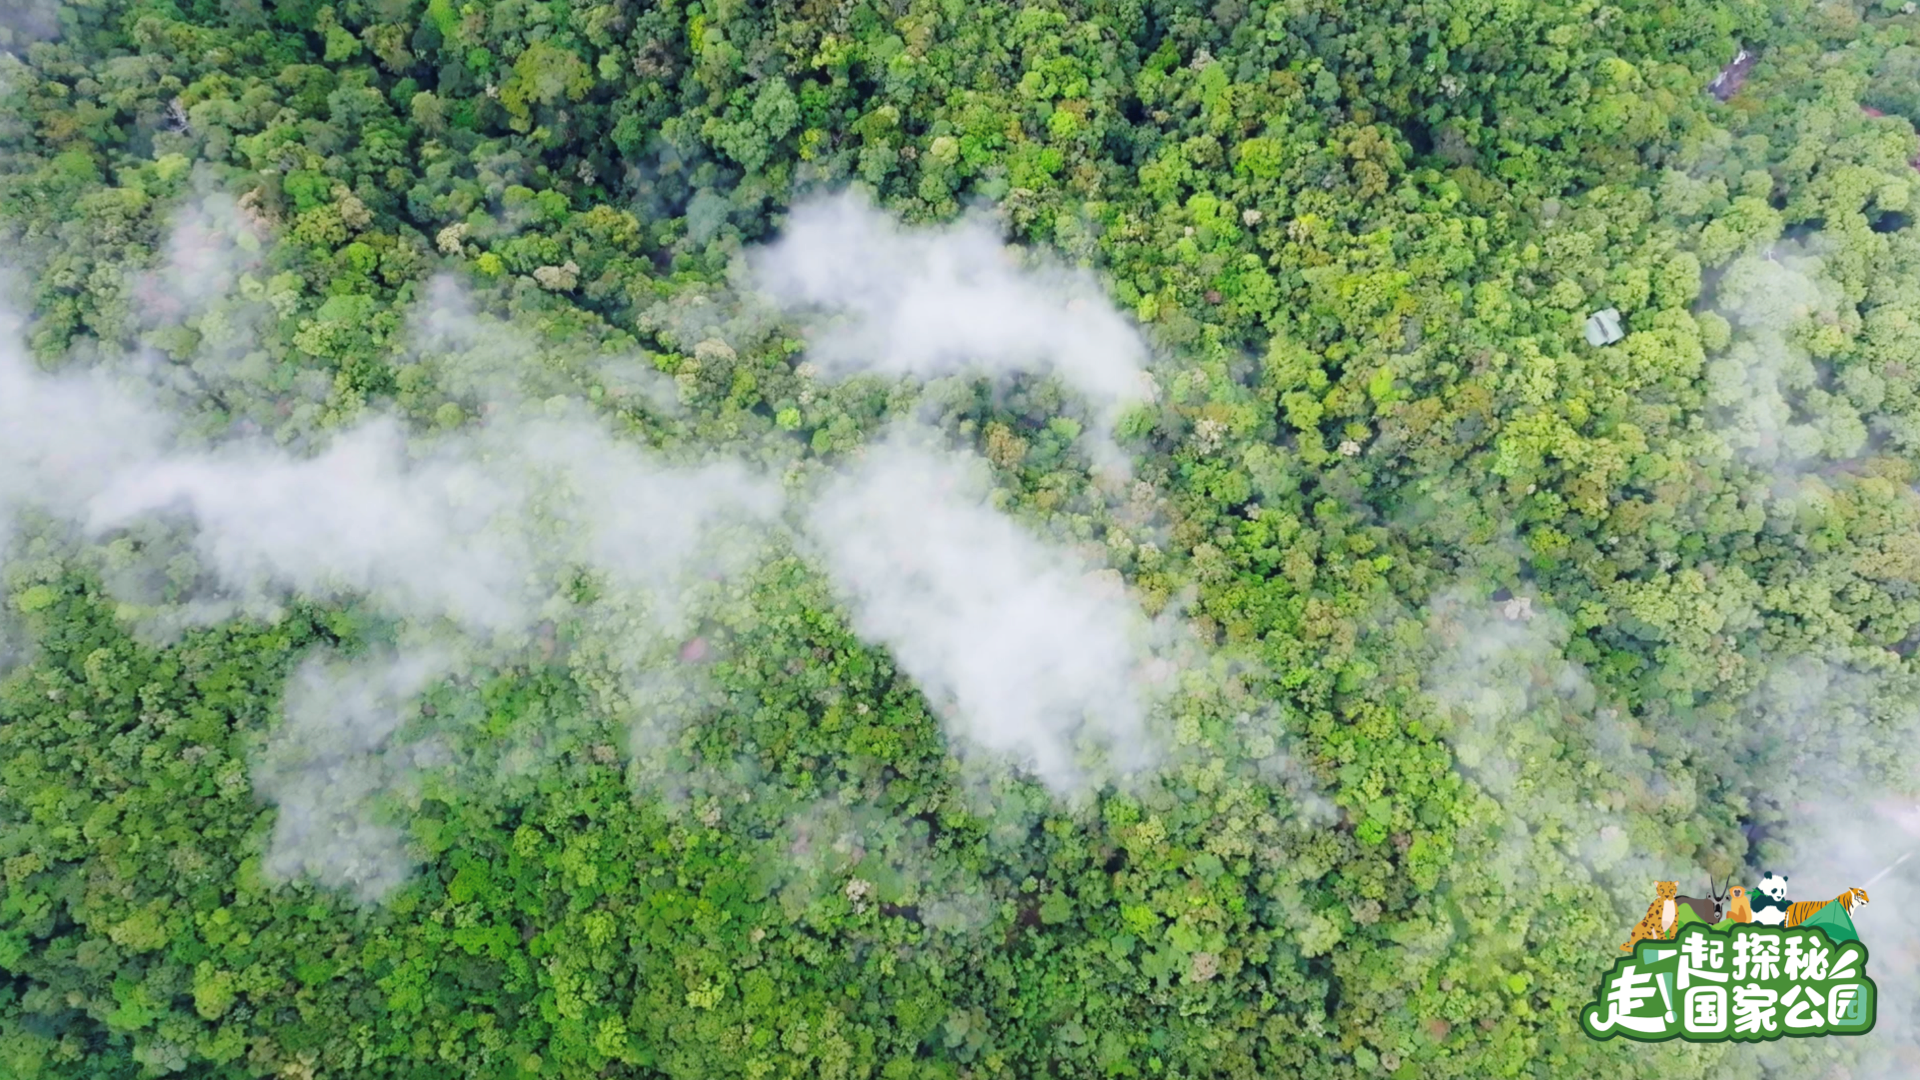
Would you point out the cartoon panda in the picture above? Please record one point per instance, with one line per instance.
(1770, 900)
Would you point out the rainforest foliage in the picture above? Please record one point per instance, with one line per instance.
(1361, 240)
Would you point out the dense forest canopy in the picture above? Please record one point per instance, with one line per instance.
(921, 540)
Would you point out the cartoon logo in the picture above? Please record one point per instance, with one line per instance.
(1744, 966)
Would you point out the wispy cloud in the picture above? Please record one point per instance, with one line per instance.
(331, 762)
(931, 302)
(1766, 383)
(1527, 725)
(475, 539)
(1021, 647)
(479, 532)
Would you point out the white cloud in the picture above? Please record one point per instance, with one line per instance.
(64, 437)
(424, 537)
(333, 758)
(1020, 647)
(1766, 383)
(483, 361)
(1526, 724)
(931, 302)
(478, 532)
(472, 537)
(211, 243)
(23, 22)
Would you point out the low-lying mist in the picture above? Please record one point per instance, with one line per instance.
(474, 542)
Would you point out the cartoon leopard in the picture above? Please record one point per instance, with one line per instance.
(1661, 914)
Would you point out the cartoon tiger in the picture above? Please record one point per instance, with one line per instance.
(1801, 910)
(1660, 917)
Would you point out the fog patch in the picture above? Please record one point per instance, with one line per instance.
(487, 533)
(473, 354)
(930, 302)
(201, 315)
(1827, 725)
(212, 242)
(331, 762)
(64, 437)
(833, 857)
(1823, 748)
(492, 536)
(1526, 724)
(525, 530)
(1788, 317)
(1020, 647)
(1842, 839)
(485, 362)
(23, 22)
(647, 523)
(359, 517)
